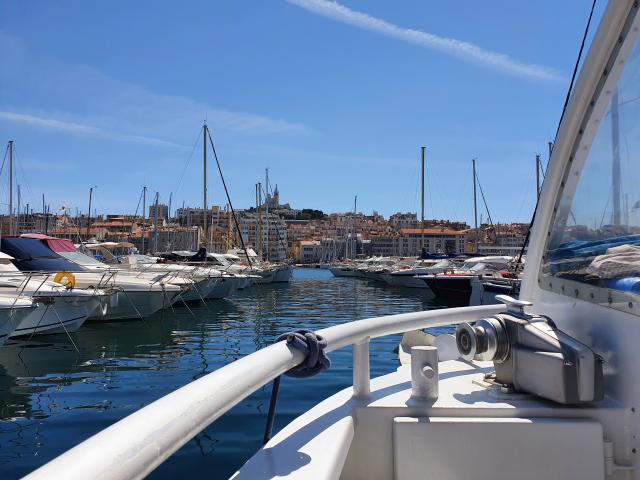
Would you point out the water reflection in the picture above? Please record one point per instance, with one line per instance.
(52, 396)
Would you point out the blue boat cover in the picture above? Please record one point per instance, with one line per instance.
(31, 255)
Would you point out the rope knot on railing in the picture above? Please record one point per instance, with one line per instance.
(312, 345)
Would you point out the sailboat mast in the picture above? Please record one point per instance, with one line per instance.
(144, 213)
(155, 225)
(266, 190)
(10, 187)
(422, 207)
(475, 203)
(259, 219)
(89, 212)
(354, 243)
(204, 179)
(615, 168)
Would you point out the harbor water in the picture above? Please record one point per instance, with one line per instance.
(53, 397)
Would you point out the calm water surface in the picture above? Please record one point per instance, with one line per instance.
(52, 397)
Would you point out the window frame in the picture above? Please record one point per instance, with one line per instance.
(589, 128)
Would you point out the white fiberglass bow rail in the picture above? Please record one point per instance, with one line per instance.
(133, 447)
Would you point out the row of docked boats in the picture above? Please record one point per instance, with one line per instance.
(48, 285)
(455, 280)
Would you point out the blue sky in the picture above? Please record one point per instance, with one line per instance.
(335, 98)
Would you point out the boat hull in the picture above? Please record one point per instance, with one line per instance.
(406, 280)
(128, 305)
(452, 289)
(58, 314)
(483, 291)
(200, 290)
(10, 318)
(224, 287)
(282, 274)
(343, 272)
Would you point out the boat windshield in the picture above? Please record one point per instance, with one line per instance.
(595, 236)
(218, 259)
(146, 259)
(80, 258)
(442, 264)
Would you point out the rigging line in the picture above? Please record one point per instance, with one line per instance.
(575, 68)
(485, 203)
(135, 214)
(226, 191)
(186, 165)
(6, 152)
(564, 109)
(22, 171)
(606, 207)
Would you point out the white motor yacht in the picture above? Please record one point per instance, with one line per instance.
(208, 282)
(453, 284)
(538, 388)
(376, 268)
(13, 310)
(406, 275)
(200, 283)
(232, 264)
(135, 296)
(58, 309)
(132, 296)
(345, 269)
(266, 272)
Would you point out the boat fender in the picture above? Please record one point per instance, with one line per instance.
(67, 279)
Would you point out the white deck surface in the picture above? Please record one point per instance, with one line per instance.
(345, 438)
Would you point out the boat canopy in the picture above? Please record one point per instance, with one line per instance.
(55, 244)
(32, 255)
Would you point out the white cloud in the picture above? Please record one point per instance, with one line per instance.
(464, 50)
(80, 100)
(48, 123)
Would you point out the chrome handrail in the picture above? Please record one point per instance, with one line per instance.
(133, 447)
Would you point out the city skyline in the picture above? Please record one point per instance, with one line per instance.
(289, 85)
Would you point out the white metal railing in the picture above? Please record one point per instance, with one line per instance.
(133, 447)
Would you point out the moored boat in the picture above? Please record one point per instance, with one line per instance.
(453, 285)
